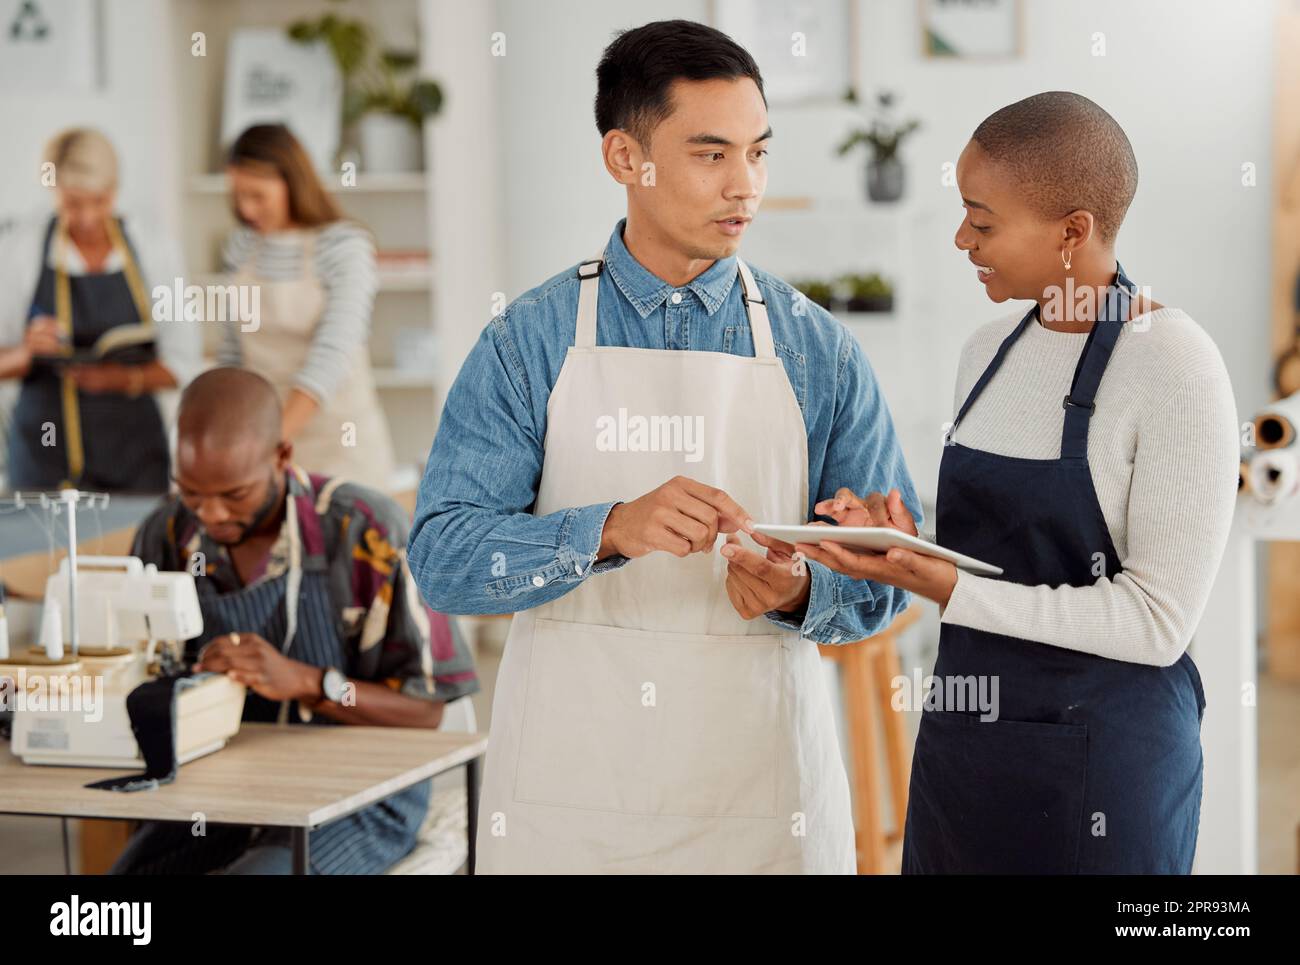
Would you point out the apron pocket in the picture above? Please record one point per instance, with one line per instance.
(649, 722)
(999, 797)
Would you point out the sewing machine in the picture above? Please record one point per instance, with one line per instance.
(109, 625)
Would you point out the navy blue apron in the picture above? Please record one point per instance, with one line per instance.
(123, 438)
(366, 842)
(1093, 766)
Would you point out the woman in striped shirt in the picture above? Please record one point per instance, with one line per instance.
(314, 274)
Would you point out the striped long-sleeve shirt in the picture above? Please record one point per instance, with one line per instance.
(344, 262)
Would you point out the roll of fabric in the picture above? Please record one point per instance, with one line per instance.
(152, 710)
(1274, 475)
(1277, 424)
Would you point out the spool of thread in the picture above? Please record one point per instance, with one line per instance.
(1243, 476)
(1276, 425)
(52, 630)
(1274, 476)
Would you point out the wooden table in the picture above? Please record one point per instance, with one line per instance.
(295, 777)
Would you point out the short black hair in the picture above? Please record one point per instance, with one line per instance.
(1065, 153)
(639, 66)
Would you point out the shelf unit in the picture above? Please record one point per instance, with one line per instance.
(396, 207)
(792, 237)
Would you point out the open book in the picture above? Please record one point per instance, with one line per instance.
(125, 344)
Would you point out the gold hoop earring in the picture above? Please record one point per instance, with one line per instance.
(1066, 258)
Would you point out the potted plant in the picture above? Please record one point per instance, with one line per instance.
(866, 293)
(384, 103)
(884, 175)
(817, 292)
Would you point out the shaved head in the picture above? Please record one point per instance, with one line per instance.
(1065, 154)
(229, 408)
(231, 456)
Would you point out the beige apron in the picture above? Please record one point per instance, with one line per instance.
(639, 724)
(348, 437)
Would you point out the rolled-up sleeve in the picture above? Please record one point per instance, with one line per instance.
(476, 547)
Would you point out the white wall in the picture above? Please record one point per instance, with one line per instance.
(560, 203)
(1190, 81)
(466, 209)
(134, 107)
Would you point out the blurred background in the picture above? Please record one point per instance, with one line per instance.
(461, 135)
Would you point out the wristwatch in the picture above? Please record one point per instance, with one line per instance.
(332, 684)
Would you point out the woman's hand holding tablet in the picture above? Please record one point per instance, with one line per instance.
(877, 538)
(913, 567)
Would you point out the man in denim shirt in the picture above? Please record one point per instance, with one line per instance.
(539, 499)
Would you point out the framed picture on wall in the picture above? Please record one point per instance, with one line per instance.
(971, 29)
(271, 79)
(50, 45)
(806, 49)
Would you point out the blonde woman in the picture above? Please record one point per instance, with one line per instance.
(316, 277)
(83, 416)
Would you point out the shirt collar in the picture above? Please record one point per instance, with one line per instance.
(647, 291)
(299, 498)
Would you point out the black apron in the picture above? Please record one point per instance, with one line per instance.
(1093, 765)
(366, 842)
(123, 438)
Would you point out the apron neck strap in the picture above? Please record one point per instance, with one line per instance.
(293, 581)
(589, 273)
(588, 290)
(1078, 404)
(759, 326)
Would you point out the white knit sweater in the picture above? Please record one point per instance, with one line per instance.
(1163, 448)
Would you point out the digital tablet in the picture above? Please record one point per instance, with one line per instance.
(878, 538)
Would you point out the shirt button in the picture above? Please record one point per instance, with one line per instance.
(577, 568)
(539, 580)
(677, 298)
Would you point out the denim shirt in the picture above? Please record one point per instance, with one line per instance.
(475, 546)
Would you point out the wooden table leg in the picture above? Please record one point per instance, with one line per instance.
(301, 838)
(859, 687)
(102, 841)
(888, 669)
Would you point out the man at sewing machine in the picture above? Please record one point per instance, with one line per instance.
(307, 600)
